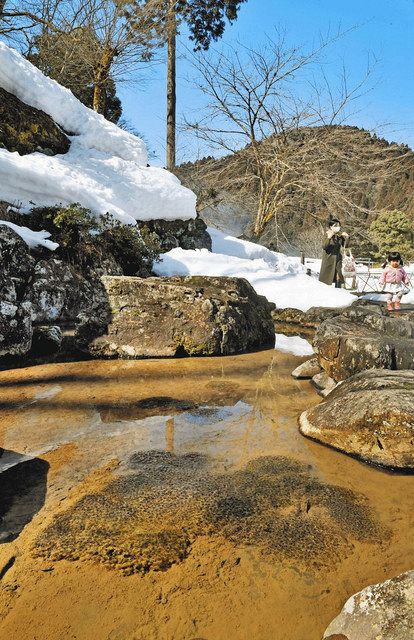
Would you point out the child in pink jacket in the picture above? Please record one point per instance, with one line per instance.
(393, 279)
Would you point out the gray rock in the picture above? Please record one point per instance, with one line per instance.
(307, 369)
(15, 328)
(323, 383)
(361, 338)
(16, 266)
(369, 416)
(49, 290)
(15, 259)
(308, 319)
(383, 611)
(154, 317)
(187, 234)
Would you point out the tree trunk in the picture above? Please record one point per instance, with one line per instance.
(171, 85)
(99, 98)
(100, 81)
(262, 214)
(2, 3)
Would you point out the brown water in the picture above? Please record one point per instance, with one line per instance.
(161, 500)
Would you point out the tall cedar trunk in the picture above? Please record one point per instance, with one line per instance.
(171, 88)
(101, 80)
(2, 3)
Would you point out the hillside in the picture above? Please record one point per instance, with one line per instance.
(341, 170)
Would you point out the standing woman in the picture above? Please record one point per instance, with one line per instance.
(334, 241)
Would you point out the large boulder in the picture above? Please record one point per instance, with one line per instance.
(383, 611)
(25, 129)
(152, 317)
(363, 337)
(369, 416)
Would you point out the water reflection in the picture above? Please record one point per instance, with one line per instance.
(22, 492)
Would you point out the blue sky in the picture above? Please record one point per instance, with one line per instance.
(384, 30)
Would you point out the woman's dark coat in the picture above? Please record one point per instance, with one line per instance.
(332, 259)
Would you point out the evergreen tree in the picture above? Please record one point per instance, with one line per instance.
(393, 231)
(206, 20)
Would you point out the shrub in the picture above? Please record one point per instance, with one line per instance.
(135, 250)
(85, 239)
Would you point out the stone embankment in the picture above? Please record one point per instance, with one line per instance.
(364, 368)
(50, 309)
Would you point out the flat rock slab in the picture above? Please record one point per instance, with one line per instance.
(307, 369)
(361, 338)
(382, 611)
(370, 416)
(178, 316)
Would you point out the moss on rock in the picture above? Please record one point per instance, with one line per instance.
(25, 129)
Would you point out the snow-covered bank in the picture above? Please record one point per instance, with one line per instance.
(105, 168)
(295, 345)
(278, 277)
(231, 246)
(33, 239)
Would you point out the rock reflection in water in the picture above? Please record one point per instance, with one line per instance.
(145, 408)
(22, 492)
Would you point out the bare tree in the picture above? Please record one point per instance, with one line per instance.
(108, 39)
(278, 118)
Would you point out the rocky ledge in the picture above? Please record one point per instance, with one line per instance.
(369, 416)
(382, 611)
(297, 321)
(365, 337)
(177, 316)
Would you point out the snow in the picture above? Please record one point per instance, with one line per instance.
(381, 297)
(278, 277)
(293, 344)
(33, 239)
(375, 274)
(104, 170)
(230, 246)
(96, 180)
(19, 77)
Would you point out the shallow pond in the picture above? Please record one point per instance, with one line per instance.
(161, 500)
